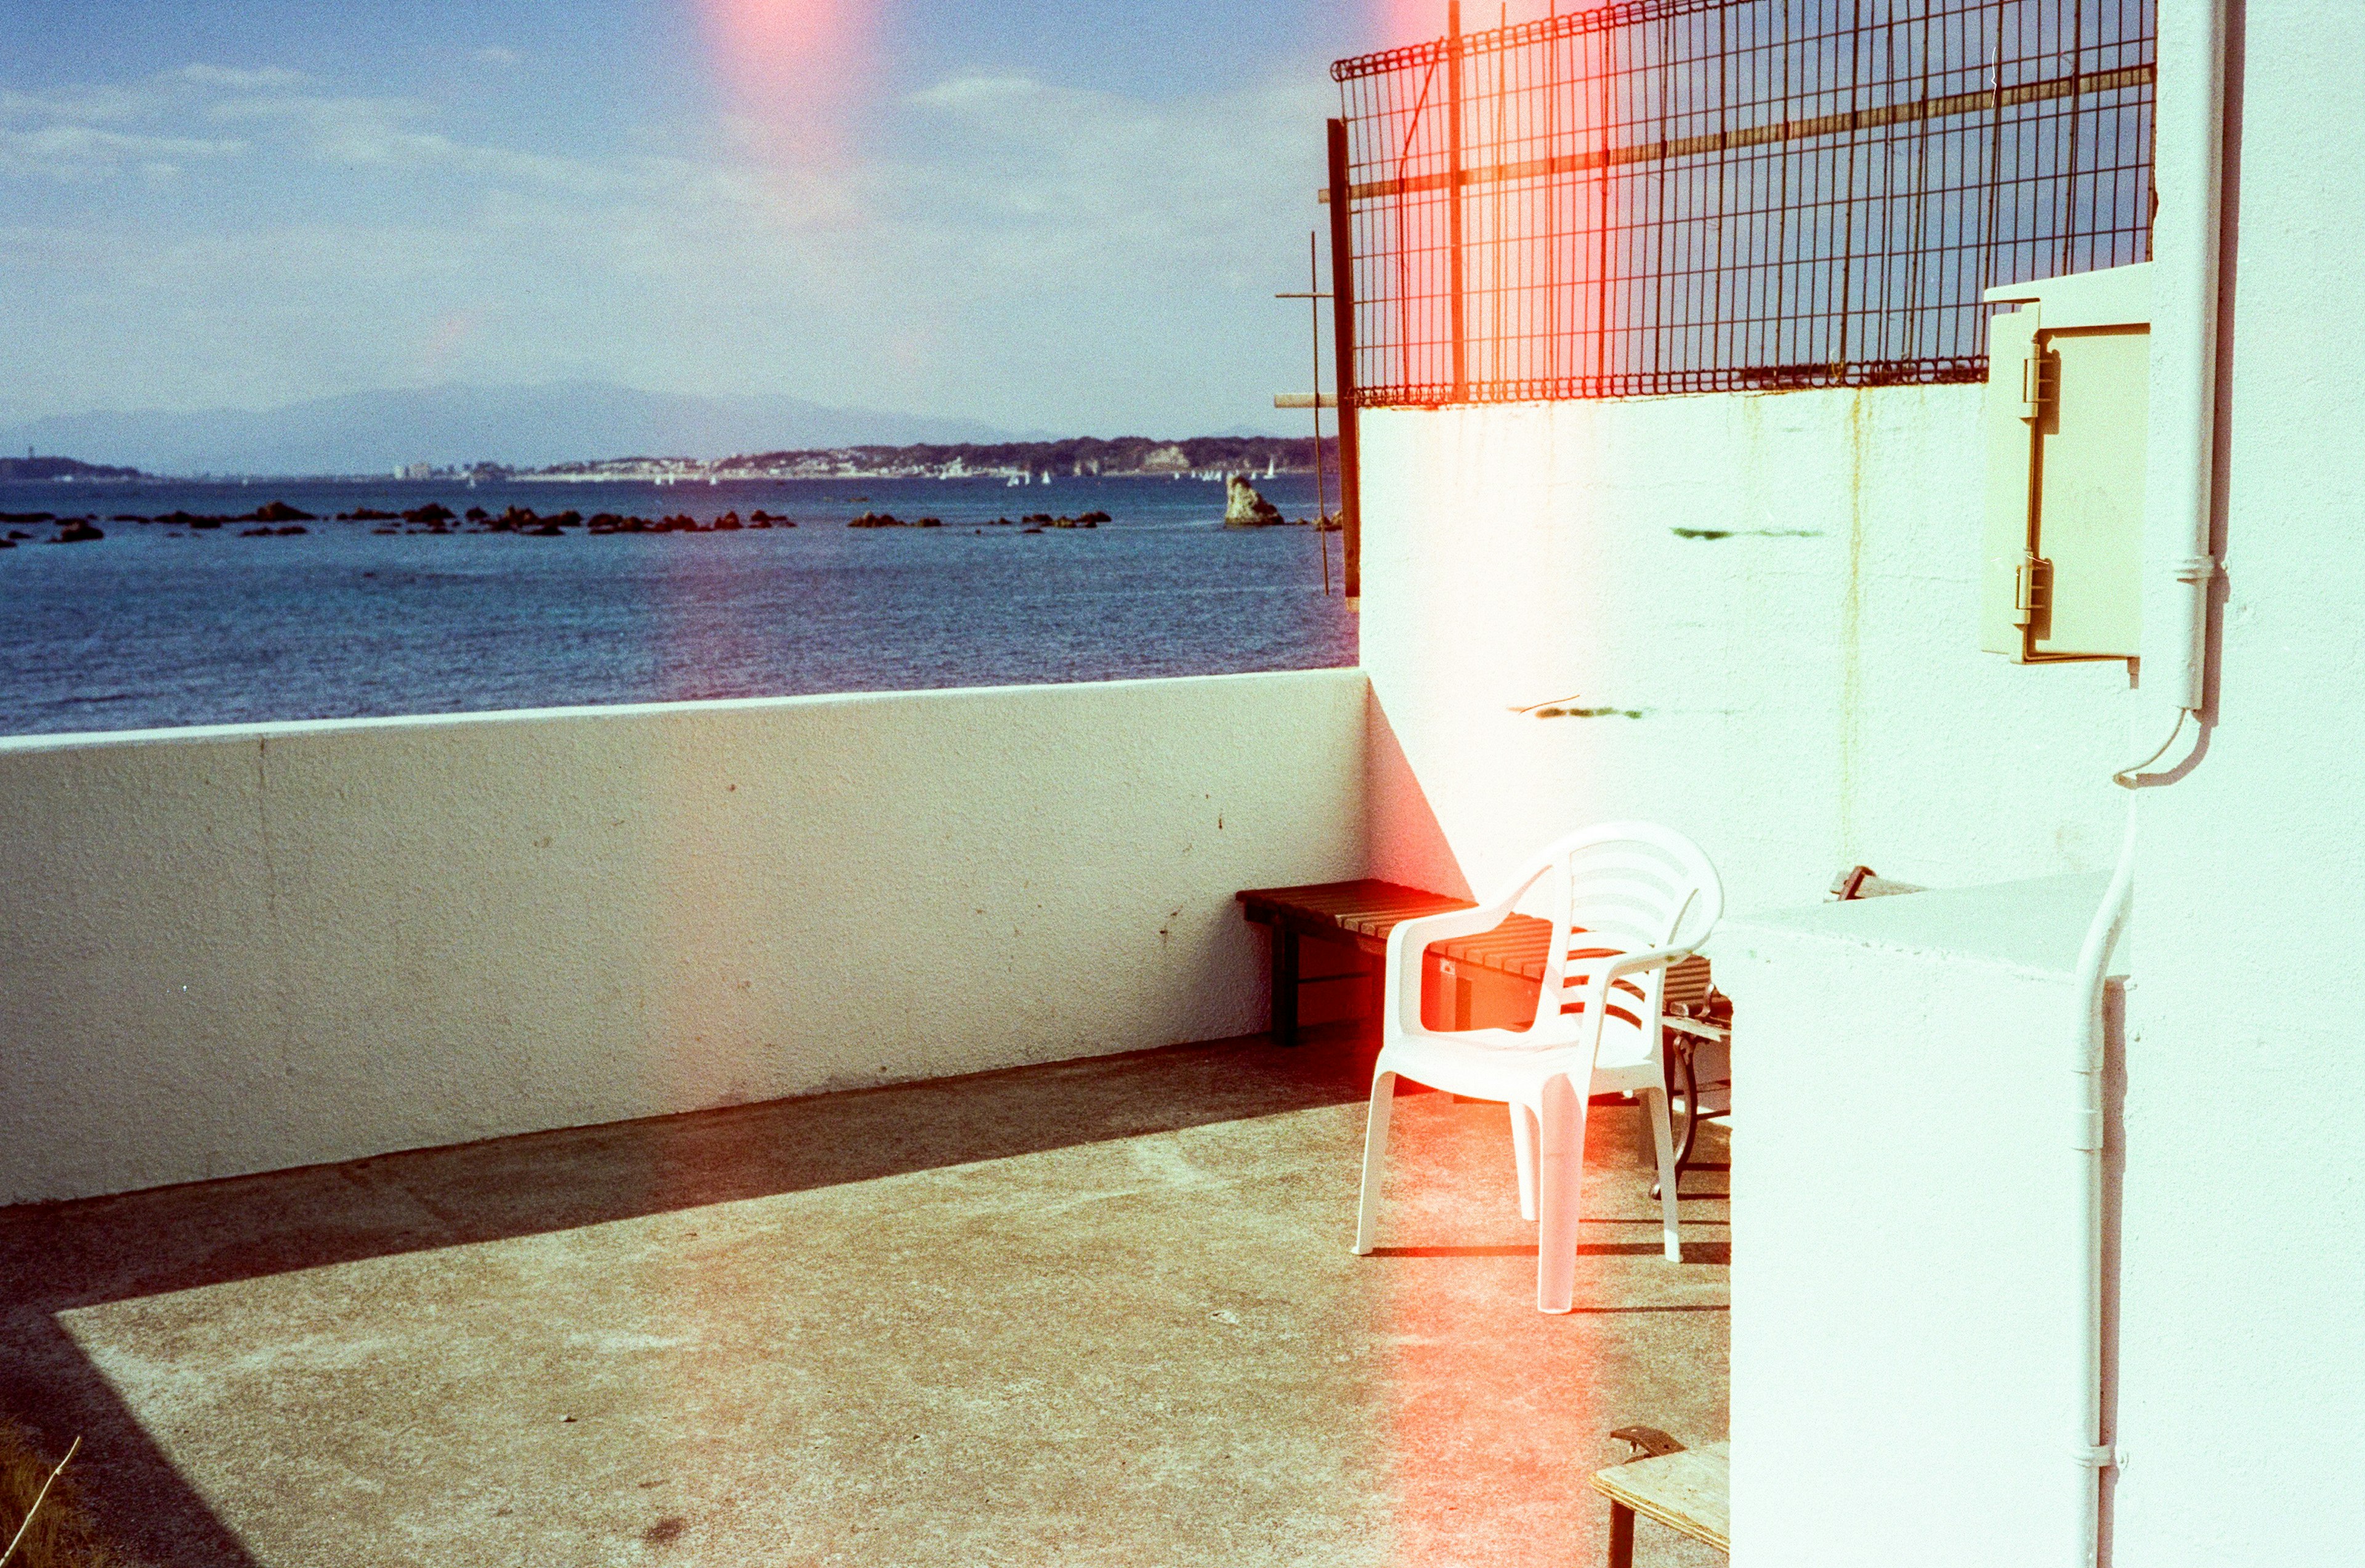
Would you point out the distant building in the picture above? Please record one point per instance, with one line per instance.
(415, 471)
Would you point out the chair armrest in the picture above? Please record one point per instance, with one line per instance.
(1648, 958)
(1597, 986)
(1400, 969)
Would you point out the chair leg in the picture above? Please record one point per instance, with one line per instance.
(1375, 1158)
(1523, 1154)
(1655, 1110)
(1560, 1181)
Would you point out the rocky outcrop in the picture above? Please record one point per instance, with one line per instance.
(1243, 507)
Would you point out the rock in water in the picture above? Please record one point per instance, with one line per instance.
(1243, 507)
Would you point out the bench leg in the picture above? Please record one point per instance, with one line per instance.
(1285, 986)
(1621, 1536)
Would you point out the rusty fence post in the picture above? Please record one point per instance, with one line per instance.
(1342, 342)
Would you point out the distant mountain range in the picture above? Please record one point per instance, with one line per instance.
(365, 432)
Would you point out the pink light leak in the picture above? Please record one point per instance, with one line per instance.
(795, 68)
(451, 334)
(1400, 22)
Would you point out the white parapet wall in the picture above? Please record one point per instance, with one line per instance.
(236, 949)
(1751, 616)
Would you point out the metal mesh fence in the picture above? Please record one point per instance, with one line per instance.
(1691, 195)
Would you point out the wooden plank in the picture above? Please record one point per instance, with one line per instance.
(1687, 1491)
(1333, 898)
(1688, 983)
(1520, 946)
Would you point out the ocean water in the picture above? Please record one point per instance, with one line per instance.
(153, 627)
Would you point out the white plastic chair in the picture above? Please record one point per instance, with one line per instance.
(1630, 899)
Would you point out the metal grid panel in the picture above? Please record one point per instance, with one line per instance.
(1692, 196)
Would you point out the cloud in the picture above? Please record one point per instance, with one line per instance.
(260, 78)
(108, 103)
(496, 55)
(65, 152)
(1033, 170)
(86, 132)
(997, 246)
(962, 94)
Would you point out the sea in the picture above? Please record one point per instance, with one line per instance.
(156, 626)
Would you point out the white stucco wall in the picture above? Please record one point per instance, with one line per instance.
(1814, 701)
(1809, 687)
(2244, 1245)
(231, 950)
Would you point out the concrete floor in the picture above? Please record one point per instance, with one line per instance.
(1100, 1312)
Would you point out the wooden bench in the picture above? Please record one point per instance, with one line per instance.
(1686, 1491)
(1356, 916)
(1486, 981)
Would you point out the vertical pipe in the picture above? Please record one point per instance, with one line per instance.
(2090, 1443)
(1455, 298)
(2180, 568)
(1313, 310)
(1342, 345)
(2180, 480)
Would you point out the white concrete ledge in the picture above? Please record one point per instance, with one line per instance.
(1907, 1247)
(241, 948)
(2032, 928)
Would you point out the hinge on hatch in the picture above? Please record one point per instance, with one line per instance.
(2039, 376)
(2032, 588)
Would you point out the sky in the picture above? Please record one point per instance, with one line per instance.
(1057, 216)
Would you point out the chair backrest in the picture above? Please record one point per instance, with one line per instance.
(1622, 887)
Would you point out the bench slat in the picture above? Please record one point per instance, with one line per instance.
(1369, 909)
(1521, 945)
(1687, 1491)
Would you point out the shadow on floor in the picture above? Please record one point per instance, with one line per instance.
(55, 1258)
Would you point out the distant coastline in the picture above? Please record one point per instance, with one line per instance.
(1017, 462)
(29, 467)
(1074, 458)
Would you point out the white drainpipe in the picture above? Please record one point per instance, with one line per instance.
(2179, 510)
(2179, 476)
(2093, 1453)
